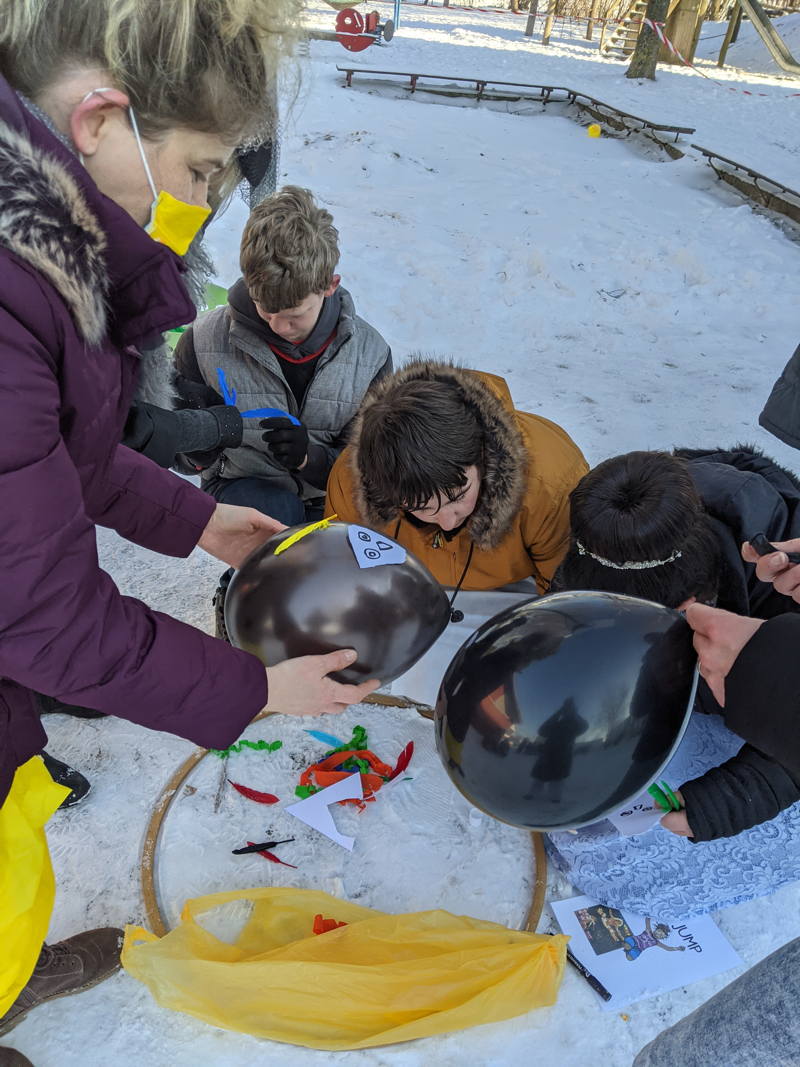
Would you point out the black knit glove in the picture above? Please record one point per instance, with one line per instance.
(286, 441)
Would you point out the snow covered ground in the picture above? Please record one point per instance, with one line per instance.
(636, 301)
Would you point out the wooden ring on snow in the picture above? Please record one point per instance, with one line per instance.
(155, 916)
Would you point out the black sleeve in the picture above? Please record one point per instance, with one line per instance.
(781, 414)
(748, 789)
(762, 691)
(162, 435)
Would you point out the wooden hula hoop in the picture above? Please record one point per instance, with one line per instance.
(155, 918)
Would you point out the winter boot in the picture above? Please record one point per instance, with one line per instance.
(64, 775)
(52, 706)
(68, 967)
(9, 1057)
(220, 629)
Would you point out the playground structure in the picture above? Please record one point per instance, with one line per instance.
(764, 192)
(684, 21)
(765, 30)
(355, 31)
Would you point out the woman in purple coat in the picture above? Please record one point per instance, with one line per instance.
(114, 115)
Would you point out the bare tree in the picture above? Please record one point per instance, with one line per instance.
(645, 56)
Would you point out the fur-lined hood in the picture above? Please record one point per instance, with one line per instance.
(115, 281)
(506, 462)
(46, 221)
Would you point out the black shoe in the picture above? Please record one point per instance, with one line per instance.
(64, 775)
(51, 706)
(220, 629)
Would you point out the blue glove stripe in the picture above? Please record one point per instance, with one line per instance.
(270, 413)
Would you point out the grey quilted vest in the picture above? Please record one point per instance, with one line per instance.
(344, 373)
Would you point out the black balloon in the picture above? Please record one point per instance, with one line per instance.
(313, 597)
(560, 710)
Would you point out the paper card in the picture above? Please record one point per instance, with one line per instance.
(373, 550)
(314, 810)
(636, 956)
(637, 817)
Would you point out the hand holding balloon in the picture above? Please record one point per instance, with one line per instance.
(302, 687)
(719, 637)
(233, 532)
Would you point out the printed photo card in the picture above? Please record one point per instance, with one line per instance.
(638, 956)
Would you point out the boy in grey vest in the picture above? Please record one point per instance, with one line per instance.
(290, 352)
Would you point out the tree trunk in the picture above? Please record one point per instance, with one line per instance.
(645, 56)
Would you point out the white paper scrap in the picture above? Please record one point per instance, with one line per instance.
(314, 810)
(637, 817)
(373, 549)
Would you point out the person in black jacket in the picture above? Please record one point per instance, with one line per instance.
(668, 527)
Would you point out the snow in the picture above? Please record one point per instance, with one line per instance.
(637, 301)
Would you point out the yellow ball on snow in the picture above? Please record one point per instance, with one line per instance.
(594, 130)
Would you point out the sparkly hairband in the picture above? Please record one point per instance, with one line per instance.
(630, 565)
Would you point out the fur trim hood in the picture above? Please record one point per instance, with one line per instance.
(45, 220)
(506, 461)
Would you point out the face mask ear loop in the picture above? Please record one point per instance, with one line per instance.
(135, 126)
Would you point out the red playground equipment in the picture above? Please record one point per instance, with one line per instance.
(357, 32)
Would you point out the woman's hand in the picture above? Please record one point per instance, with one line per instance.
(301, 686)
(776, 568)
(233, 533)
(719, 637)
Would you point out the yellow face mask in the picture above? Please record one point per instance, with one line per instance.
(173, 222)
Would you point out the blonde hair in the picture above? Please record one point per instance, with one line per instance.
(289, 249)
(207, 65)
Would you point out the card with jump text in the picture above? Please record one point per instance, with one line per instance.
(638, 956)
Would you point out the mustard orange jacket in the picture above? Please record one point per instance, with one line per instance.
(520, 526)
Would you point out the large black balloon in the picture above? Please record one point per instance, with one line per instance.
(313, 598)
(558, 711)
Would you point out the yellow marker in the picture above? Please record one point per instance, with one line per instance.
(290, 540)
(594, 130)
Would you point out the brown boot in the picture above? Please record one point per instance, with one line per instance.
(9, 1057)
(68, 967)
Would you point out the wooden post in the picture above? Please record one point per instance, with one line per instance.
(733, 25)
(683, 29)
(592, 19)
(529, 25)
(548, 22)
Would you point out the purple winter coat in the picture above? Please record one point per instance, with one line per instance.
(81, 284)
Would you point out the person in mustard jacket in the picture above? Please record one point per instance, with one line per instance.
(441, 461)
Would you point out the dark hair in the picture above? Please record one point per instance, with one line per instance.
(637, 507)
(415, 443)
(661, 930)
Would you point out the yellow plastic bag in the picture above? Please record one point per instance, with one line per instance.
(27, 885)
(379, 980)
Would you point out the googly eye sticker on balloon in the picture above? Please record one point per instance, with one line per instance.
(373, 550)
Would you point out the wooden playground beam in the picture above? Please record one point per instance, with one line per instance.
(778, 197)
(543, 93)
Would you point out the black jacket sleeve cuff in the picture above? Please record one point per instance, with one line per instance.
(747, 790)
